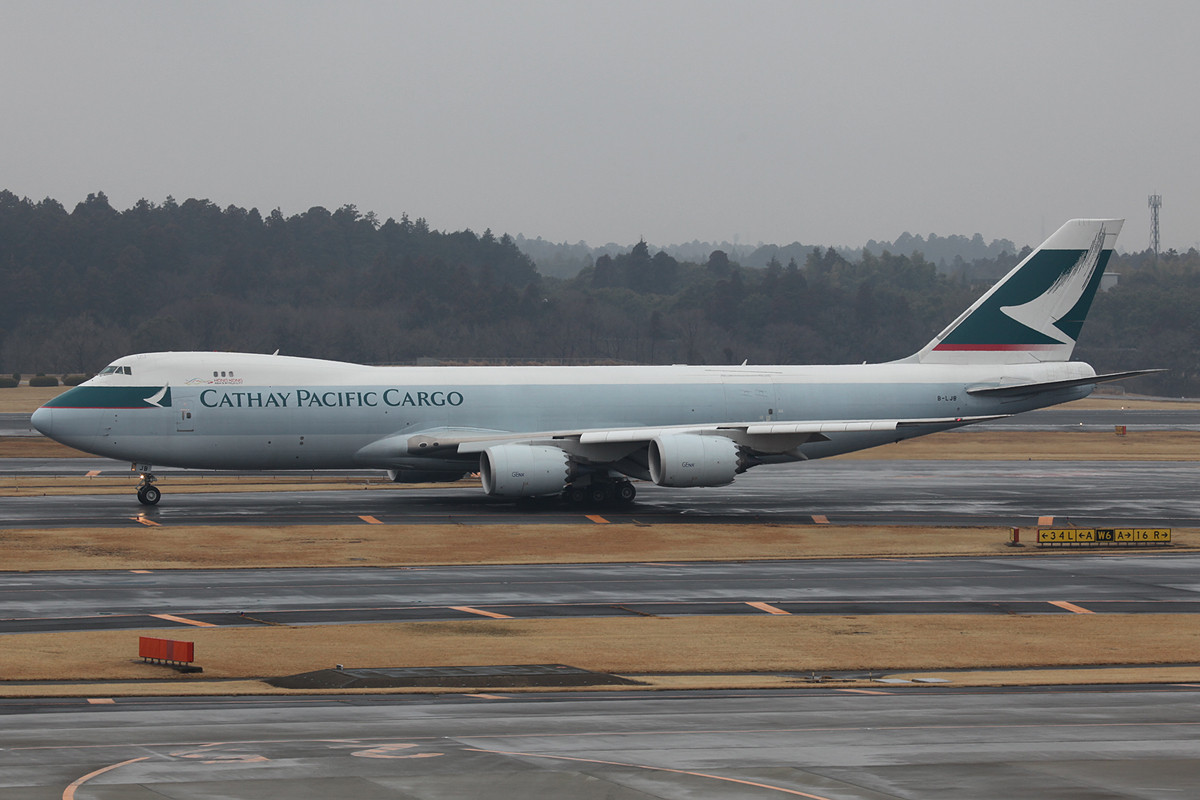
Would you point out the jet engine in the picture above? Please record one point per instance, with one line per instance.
(522, 470)
(686, 459)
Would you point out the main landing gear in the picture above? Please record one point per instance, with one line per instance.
(600, 493)
(147, 493)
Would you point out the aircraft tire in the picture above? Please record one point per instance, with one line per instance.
(149, 495)
(624, 493)
(575, 495)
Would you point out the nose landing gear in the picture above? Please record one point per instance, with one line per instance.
(147, 493)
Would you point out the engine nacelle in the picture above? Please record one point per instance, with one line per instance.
(423, 476)
(522, 470)
(686, 459)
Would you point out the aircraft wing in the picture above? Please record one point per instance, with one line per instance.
(766, 436)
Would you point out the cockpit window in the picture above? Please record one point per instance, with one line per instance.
(127, 370)
(109, 370)
(113, 369)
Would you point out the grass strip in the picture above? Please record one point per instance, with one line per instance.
(701, 646)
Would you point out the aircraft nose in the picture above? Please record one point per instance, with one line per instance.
(43, 420)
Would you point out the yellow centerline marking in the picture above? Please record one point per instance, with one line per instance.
(184, 620)
(144, 521)
(481, 612)
(767, 607)
(1071, 607)
(820, 519)
(142, 571)
(91, 473)
(369, 519)
(862, 691)
(101, 701)
(489, 696)
(597, 519)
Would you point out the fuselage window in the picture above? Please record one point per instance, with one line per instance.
(222, 373)
(215, 375)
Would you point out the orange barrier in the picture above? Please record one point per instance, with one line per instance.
(166, 650)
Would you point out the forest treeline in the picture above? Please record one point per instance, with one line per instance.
(85, 286)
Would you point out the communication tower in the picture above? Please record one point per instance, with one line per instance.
(1155, 203)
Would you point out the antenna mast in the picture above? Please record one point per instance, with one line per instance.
(1155, 203)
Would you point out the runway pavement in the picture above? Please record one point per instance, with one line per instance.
(823, 744)
(890, 742)
(1045, 584)
(990, 493)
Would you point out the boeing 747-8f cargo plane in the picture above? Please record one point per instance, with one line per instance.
(585, 431)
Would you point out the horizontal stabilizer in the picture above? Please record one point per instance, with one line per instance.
(1016, 389)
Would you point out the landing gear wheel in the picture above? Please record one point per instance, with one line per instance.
(575, 495)
(149, 495)
(598, 494)
(625, 492)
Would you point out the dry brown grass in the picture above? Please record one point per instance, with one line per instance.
(229, 547)
(1040, 446)
(26, 399)
(685, 645)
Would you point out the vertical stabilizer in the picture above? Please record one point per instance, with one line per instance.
(1036, 311)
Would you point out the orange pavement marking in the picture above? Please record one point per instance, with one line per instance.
(69, 792)
(489, 696)
(142, 571)
(184, 620)
(1045, 520)
(1070, 607)
(144, 521)
(481, 612)
(100, 701)
(820, 519)
(369, 519)
(863, 691)
(597, 519)
(91, 473)
(770, 609)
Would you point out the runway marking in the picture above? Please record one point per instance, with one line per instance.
(481, 612)
(142, 571)
(767, 607)
(1045, 520)
(101, 701)
(820, 519)
(184, 620)
(369, 519)
(145, 521)
(91, 473)
(739, 781)
(1070, 607)
(597, 519)
(863, 691)
(490, 696)
(69, 792)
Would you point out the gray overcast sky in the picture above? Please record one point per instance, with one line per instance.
(823, 122)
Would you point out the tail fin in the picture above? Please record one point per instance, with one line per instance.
(1036, 312)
